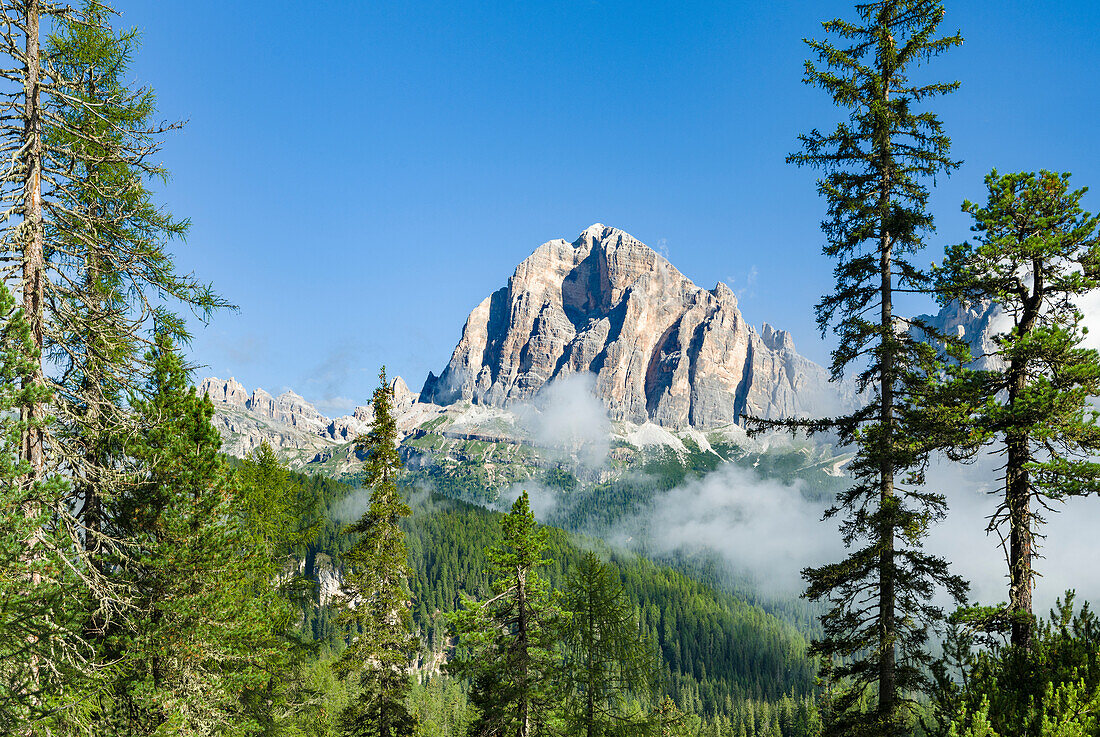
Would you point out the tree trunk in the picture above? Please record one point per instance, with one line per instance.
(887, 676)
(33, 411)
(1017, 481)
(887, 621)
(1018, 498)
(524, 706)
(590, 704)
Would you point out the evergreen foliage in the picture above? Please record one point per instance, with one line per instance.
(1036, 255)
(875, 165)
(375, 592)
(507, 642)
(608, 670)
(39, 593)
(82, 236)
(207, 633)
(1049, 689)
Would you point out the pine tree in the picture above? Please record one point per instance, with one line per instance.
(507, 642)
(1036, 254)
(874, 165)
(376, 593)
(606, 662)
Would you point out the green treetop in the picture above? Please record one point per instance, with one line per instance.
(507, 642)
(609, 668)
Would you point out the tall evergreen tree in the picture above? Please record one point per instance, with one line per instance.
(377, 604)
(875, 165)
(1036, 254)
(105, 252)
(206, 631)
(507, 644)
(80, 235)
(609, 668)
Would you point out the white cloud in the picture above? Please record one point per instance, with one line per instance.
(567, 416)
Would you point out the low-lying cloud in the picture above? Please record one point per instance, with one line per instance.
(762, 528)
(544, 501)
(566, 416)
(769, 531)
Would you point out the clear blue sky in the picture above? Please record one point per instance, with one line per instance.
(359, 175)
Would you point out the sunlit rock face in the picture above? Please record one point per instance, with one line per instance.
(661, 348)
(976, 324)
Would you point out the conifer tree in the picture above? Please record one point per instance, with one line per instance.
(607, 665)
(80, 235)
(206, 633)
(1036, 254)
(506, 644)
(37, 597)
(875, 164)
(377, 604)
(104, 253)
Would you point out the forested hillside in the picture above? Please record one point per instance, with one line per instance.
(716, 650)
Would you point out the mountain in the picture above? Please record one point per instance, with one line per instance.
(976, 324)
(596, 357)
(661, 349)
(294, 427)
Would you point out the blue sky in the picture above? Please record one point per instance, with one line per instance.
(359, 175)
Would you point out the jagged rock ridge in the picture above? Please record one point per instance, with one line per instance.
(291, 424)
(661, 348)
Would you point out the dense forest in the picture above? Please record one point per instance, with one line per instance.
(150, 585)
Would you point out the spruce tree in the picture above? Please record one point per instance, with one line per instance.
(506, 643)
(875, 166)
(206, 633)
(377, 604)
(1036, 254)
(608, 667)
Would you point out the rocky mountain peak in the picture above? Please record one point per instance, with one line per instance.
(226, 392)
(661, 348)
(777, 340)
(402, 395)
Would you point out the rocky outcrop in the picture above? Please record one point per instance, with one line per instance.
(661, 348)
(224, 392)
(290, 424)
(976, 324)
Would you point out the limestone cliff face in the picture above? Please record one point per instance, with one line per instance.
(661, 348)
(977, 324)
(292, 425)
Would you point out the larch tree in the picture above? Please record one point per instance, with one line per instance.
(376, 600)
(609, 668)
(105, 255)
(1036, 254)
(875, 167)
(507, 643)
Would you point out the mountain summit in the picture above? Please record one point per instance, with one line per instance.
(661, 349)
